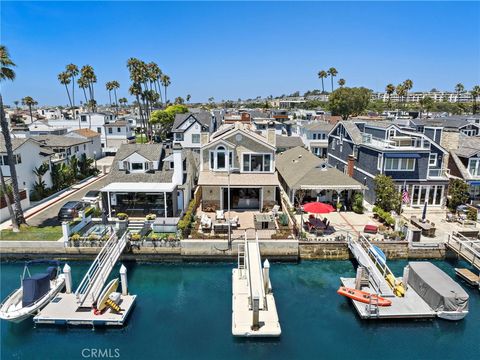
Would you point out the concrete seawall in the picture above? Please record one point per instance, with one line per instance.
(217, 250)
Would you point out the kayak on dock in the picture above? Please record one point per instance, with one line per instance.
(362, 296)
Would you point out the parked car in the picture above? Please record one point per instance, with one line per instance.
(92, 197)
(70, 210)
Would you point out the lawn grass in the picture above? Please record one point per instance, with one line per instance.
(46, 233)
(141, 139)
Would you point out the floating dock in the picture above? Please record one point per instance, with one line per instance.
(254, 312)
(465, 248)
(469, 277)
(409, 306)
(78, 308)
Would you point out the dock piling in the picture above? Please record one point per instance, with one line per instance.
(68, 278)
(256, 311)
(406, 271)
(123, 279)
(266, 276)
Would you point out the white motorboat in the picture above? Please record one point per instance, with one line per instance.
(34, 293)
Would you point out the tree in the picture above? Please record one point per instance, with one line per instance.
(332, 72)
(341, 82)
(388, 197)
(426, 103)
(88, 79)
(164, 118)
(179, 100)
(188, 97)
(401, 91)
(457, 193)
(72, 71)
(389, 89)
(65, 79)
(123, 101)
(30, 102)
(165, 80)
(16, 214)
(475, 94)
(6, 64)
(348, 102)
(407, 85)
(322, 74)
(459, 88)
(39, 187)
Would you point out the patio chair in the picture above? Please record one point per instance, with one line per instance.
(219, 215)
(275, 210)
(206, 222)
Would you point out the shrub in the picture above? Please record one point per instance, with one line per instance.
(472, 213)
(75, 237)
(135, 237)
(154, 237)
(185, 223)
(93, 237)
(89, 211)
(283, 219)
(122, 216)
(384, 216)
(357, 205)
(150, 217)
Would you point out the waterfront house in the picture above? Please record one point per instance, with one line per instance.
(41, 127)
(464, 163)
(187, 128)
(298, 169)
(381, 147)
(315, 136)
(28, 154)
(150, 179)
(238, 158)
(93, 148)
(464, 125)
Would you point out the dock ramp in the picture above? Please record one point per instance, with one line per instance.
(466, 248)
(94, 280)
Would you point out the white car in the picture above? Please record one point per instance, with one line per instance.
(92, 197)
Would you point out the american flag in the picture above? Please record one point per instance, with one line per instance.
(405, 194)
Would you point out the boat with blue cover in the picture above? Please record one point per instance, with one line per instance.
(35, 292)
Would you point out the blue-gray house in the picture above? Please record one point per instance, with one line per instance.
(381, 147)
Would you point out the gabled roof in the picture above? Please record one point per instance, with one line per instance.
(319, 126)
(448, 122)
(352, 130)
(282, 141)
(383, 124)
(203, 118)
(59, 140)
(16, 143)
(299, 168)
(87, 133)
(468, 146)
(150, 152)
(230, 129)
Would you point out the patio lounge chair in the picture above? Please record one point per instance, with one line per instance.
(206, 222)
(275, 210)
(219, 215)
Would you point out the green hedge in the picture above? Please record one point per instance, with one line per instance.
(384, 216)
(185, 224)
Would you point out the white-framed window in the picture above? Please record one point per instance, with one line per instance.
(110, 130)
(178, 136)
(468, 132)
(218, 158)
(195, 138)
(474, 166)
(432, 159)
(257, 162)
(380, 162)
(399, 164)
(76, 148)
(391, 133)
(136, 166)
(333, 144)
(341, 148)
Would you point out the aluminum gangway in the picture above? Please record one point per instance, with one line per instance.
(466, 248)
(255, 272)
(94, 280)
(376, 270)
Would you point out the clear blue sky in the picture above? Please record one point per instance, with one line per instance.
(231, 50)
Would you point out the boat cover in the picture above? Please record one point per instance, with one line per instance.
(52, 271)
(34, 288)
(438, 289)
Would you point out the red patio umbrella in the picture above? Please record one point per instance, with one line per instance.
(318, 208)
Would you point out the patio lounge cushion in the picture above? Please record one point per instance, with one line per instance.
(373, 229)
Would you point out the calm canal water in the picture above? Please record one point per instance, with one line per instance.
(183, 311)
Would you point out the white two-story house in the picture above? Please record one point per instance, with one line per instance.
(237, 158)
(187, 128)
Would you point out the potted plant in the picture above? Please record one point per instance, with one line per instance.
(339, 206)
(135, 237)
(150, 217)
(122, 216)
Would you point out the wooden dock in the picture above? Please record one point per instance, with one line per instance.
(64, 310)
(466, 248)
(411, 306)
(468, 276)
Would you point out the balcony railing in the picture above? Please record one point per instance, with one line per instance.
(396, 143)
(438, 173)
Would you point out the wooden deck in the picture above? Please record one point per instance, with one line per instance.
(468, 276)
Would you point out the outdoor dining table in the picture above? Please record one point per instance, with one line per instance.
(427, 228)
(317, 224)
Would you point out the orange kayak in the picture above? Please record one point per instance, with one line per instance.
(362, 296)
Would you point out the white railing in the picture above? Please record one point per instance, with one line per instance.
(468, 249)
(438, 172)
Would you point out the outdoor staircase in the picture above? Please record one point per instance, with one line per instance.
(372, 306)
(135, 225)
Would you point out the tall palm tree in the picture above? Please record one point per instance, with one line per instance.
(322, 74)
(88, 74)
(332, 72)
(123, 101)
(65, 79)
(16, 215)
(389, 89)
(108, 86)
(165, 80)
(475, 94)
(30, 102)
(73, 71)
(6, 65)
(115, 86)
(341, 82)
(459, 88)
(407, 85)
(83, 84)
(400, 90)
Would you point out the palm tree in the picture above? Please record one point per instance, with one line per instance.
(400, 90)
(122, 101)
(16, 215)
(389, 89)
(16, 102)
(115, 85)
(332, 72)
(165, 80)
(475, 94)
(407, 85)
(73, 71)
(83, 84)
(6, 64)
(65, 79)
(30, 102)
(188, 97)
(109, 88)
(322, 74)
(88, 74)
(341, 82)
(459, 88)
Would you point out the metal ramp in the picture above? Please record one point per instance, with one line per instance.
(376, 270)
(255, 272)
(94, 280)
(466, 248)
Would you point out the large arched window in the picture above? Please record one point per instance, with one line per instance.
(219, 158)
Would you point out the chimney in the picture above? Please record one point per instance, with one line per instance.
(271, 137)
(177, 177)
(350, 165)
(203, 138)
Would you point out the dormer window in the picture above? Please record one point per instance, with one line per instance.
(136, 166)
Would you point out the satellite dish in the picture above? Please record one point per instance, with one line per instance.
(238, 137)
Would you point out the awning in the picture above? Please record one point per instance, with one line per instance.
(474, 183)
(138, 187)
(402, 155)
